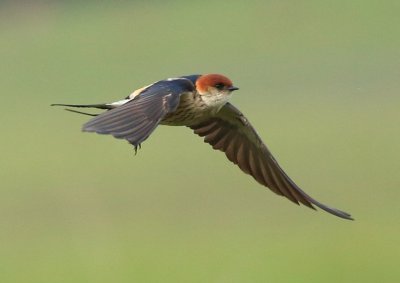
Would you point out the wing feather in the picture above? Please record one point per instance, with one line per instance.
(138, 118)
(230, 132)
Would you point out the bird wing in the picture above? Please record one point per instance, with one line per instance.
(136, 119)
(230, 132)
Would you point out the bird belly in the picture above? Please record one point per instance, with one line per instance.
(191, 110)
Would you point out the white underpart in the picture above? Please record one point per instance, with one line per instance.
(216, 100)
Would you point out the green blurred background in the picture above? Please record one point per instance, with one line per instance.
(318, 79)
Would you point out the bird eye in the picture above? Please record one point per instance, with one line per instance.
(219, 86)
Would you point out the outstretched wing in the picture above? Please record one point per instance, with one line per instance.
(136, 119)
(230, 132)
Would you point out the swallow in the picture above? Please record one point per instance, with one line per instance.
(199, 102)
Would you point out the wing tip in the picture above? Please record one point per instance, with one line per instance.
(95, 130)
(86, 128)
(333, 211)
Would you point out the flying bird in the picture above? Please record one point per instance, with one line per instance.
(199, 102)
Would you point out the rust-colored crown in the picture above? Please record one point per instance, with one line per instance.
(210, 80)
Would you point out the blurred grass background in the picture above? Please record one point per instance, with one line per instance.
(318, 79)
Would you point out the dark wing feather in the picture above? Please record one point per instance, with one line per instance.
(137, 119)
(230, 132)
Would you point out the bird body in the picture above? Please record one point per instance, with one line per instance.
(191, 109)
(199, 102)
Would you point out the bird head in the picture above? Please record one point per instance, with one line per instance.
(214, 89)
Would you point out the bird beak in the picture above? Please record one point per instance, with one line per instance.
(232, 88)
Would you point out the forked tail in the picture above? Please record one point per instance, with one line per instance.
(98, 106)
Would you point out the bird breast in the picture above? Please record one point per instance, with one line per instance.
(191, 110)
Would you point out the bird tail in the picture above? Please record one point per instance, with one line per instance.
(98, 106)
